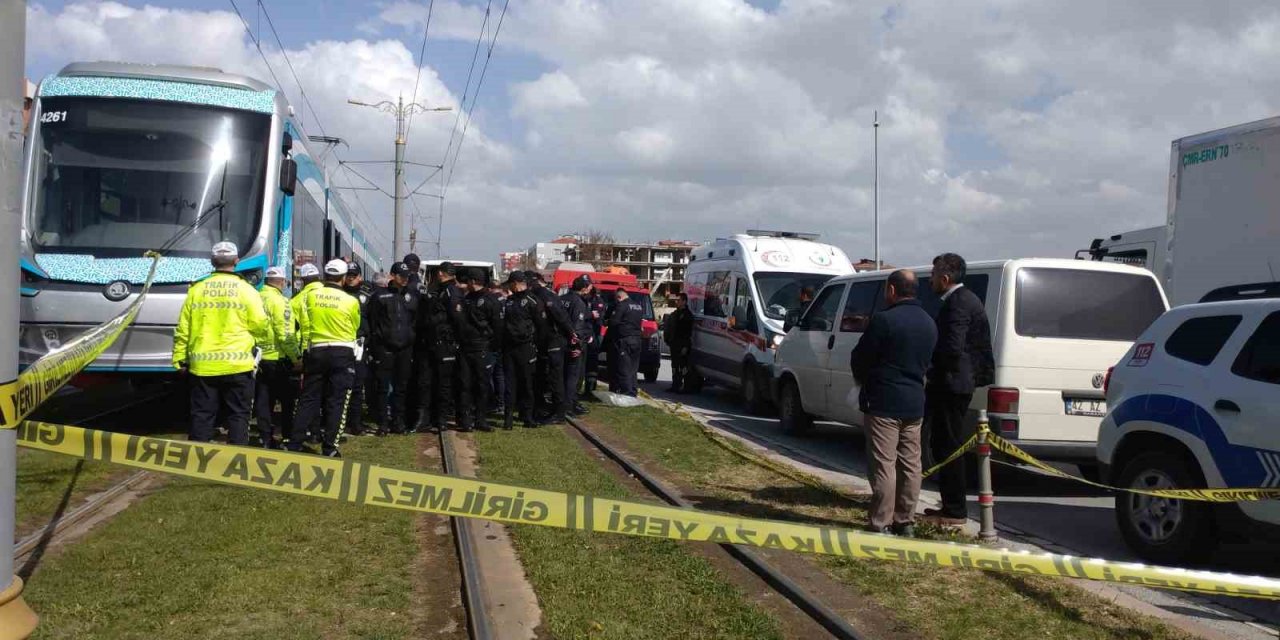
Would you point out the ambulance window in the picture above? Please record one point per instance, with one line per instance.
(695, 286)
(1199, 340)
(1260, 358)
(715, 301)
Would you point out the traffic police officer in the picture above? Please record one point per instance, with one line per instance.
(391, 313)
(437, 349)
(221, 323)
(329, 331)
(278, 355)
(575, 306)
(520, 324)
(480, 320)
(624, 329)
(356, 287)
(556, 334)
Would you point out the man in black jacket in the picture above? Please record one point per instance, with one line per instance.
(437, 349)
(555, 337)
(962, 362)
(391, 313)
(594, 342)
(360, 290)
(520, 326)
(677, 331)
(625, 332)
(479, 321)
(575, 306)
(889, 366)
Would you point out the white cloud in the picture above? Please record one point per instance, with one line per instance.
(670, 118)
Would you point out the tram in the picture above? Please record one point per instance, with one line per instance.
(123, 158)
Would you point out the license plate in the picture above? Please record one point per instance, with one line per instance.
(1086, 407)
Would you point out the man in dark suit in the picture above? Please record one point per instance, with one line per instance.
(962, 362)
(889, 365)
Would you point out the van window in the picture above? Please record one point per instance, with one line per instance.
(822, 313)
(1199, 340)
(860, 305)
(1260, 358)
(781, 289)
(1086, 305)
(715, 301)
(932, 303)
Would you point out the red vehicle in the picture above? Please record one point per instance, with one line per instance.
(606, 284)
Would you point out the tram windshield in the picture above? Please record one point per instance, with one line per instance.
(111, 177)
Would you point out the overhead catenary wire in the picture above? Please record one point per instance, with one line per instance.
(422, 60)
(475, 97)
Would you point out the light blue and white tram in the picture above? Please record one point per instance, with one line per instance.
(122, 158)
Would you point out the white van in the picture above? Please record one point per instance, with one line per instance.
(1057, 326)
(741, 290)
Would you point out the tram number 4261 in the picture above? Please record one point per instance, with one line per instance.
(53, 116)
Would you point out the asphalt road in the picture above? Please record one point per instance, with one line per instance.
(1052, 513)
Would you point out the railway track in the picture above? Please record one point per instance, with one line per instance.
(815, 609)
(478, 618)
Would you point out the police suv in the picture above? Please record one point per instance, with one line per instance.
(1196, 403)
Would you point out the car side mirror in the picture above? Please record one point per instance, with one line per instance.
(776, 311)
(288, 176)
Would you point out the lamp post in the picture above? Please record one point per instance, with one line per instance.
(402, 112)
(875, 185)
(16, 619)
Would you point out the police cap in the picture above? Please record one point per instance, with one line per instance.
(581, 282)
(400, 269)
(517, 276)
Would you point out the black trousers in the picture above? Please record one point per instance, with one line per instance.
(327, 376)
(497, 379)
(573, 372)
(355, 408)
(474, 374)
(944, 427)
(229, 397)
(436, 371)
(592, 366)
(627, 352)
(519, 362)
(273, 384)
(392, 367)
(550, 380)
(679, 366)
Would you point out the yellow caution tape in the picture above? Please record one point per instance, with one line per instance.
(1249, 494)
(367, 484)
(964, 448)
(54, 369)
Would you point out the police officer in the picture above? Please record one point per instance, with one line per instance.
(391, 313)
(479, 322)
(520, 323)
(221, 323)
(278, 355)
(356, 287)
(575, 306)
(624, 328)
(677, 331)
(437, 349)
(596, 307)
(498, 377)
(332, 322)
(414, 263)
(556, 334)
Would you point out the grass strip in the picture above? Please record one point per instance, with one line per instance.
(934, 602)
(48, 482)
(203, 560)
(596, 585)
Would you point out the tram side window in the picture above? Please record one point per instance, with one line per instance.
(308, 226)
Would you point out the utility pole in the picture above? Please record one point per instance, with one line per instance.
(402, 112)
(16, 619)
(413, 241)
(875, 184)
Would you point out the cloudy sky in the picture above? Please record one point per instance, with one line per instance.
(1008, 127)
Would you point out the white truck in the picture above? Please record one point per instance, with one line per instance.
(1222, 234)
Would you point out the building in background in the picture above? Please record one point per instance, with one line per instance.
(867, 264)
(543, 253)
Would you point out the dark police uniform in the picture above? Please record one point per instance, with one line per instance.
(519, 355)
(624, 329)
(355, 408)
(391, 314)
(480, 321)
(678, 334)
(551, 347)
(594, 343)
(574, 366)
(437, 355)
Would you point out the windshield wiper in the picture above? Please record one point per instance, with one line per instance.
(182, 235)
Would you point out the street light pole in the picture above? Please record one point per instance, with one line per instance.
(875, 188)
(16, 619)
(402, 112)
